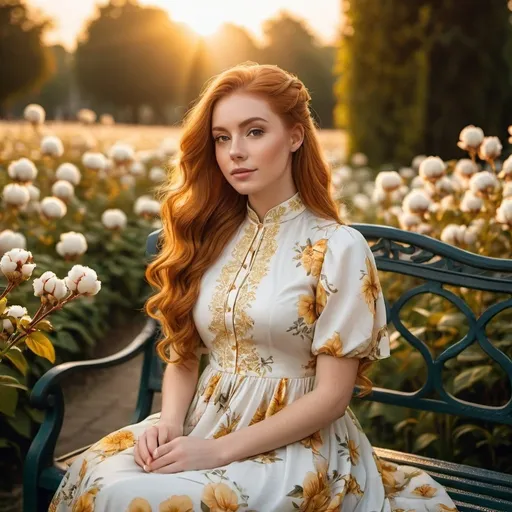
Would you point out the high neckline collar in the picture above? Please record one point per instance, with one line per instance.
(282, 212)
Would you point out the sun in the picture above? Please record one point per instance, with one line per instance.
(204, 17)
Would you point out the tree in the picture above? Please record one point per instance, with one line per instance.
(411, 75)
(292, 46)
(132, 55)
(24, 61)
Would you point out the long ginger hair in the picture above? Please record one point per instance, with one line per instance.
(201, 211)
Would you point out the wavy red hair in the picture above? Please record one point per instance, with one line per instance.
(201, 211)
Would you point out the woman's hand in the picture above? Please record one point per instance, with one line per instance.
(185, 454)
(154, 436)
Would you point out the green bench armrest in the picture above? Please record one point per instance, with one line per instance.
(42, 396)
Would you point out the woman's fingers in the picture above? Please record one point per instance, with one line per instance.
(151, 442)
(163, 432)
(143, 447)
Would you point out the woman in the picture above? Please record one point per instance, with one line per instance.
(256, 269)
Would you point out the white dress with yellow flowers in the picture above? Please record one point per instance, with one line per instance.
(283, 291)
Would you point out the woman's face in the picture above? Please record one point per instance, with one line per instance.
(249, 135)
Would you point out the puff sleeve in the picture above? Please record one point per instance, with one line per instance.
(351, 314)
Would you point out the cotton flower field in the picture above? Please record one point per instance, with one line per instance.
(78, 201)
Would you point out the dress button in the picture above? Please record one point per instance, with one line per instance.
(233, 287)
(229, 309)
(244, 265)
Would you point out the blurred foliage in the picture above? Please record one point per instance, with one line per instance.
(412, 73)
(24, 60)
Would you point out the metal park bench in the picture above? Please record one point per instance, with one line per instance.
(438, 267)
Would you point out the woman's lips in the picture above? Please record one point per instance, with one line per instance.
(243, 174)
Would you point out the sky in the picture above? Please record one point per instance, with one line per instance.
(204, 16)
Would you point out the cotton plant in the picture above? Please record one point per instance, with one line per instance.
(21, 331)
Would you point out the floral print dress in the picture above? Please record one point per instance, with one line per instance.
(283, 291)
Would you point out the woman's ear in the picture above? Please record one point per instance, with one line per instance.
(296, 137)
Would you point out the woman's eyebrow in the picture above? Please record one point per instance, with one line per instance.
(241, 125)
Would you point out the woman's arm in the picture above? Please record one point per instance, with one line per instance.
(327, 402)
(178, 388)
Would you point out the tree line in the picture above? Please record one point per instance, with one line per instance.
(130, 57)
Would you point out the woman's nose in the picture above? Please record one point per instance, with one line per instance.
(237, 151)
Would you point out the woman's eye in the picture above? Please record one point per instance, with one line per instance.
(260, 132)
(220, 138)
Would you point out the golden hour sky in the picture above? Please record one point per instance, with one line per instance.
(203, 16)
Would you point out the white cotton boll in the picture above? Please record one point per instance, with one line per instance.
(63, 190)
(34, 193)
(465, 168)
(398, 195)
(409, 221)
(417, 182)
(16, 195)
(50, 286)
(17, 264)
(52, 146)
(359, 160)
(460, 235)
(379, 196)
(22, 170)
(157, 174)
(169, 147)
(470, 137)
(471, 203)
(137, 169)
(416, 161)
(72, 244)
(145, 205)
(53, 208)
(423, 229)
(417, 201)
(11, 240)
(127, 181)
(107, 120)
(444, 186)
(68, 172)
(94, 161)
(83, 280)
(114, 219)
(121, 153)
(407, 173)
(17, 312)
(507, 189)
(361, 202)
(345, 172)
(490, 148)
(506, 169)
(86, 116)
(388, 181)
(432, 169)
(368, 188)
(484, 183)
(504, 212)
(34, 113)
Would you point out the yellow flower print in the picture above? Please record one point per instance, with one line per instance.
(278, 401)
(314, 441)
(335, 504)
(317, 492)
(321, 298)
(210, 387)
(311, 364)
(220, 498)
(83, 470)
(353, 452)
(177, 504)
(445, 508)
(370, 287)
(85, 503)
(333, 346)
(307, 309)
(115, 443)
(260, 413)
(313, 257)
(139, 505)
(229, 426)
(353, 486)
(266, 458)
(393, 479)
(425, 491)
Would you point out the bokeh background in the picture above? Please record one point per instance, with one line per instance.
(413, 101)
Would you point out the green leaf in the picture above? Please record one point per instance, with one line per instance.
(15, 355)
(469, 377)
(38, 343)
(11, 382)
(423, 441)
(21, 423)
(67, 341)
(8, 400)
